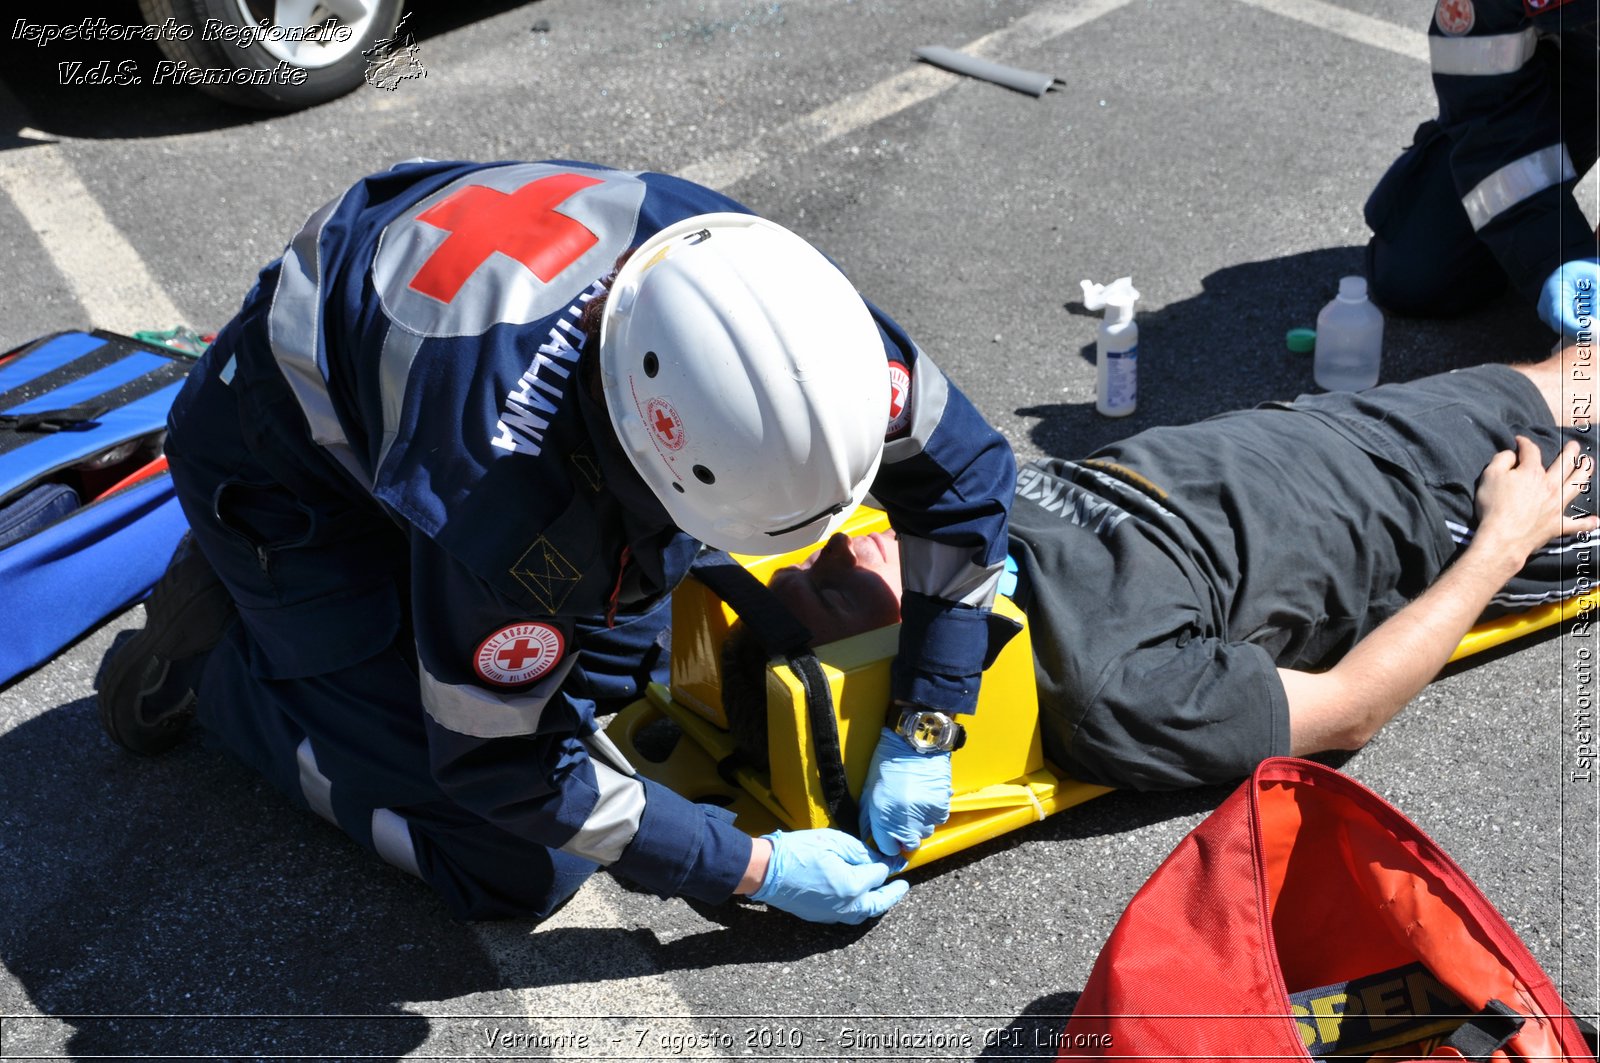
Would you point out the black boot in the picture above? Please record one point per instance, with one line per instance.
(146, 686)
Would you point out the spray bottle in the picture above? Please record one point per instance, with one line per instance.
(1117, 350)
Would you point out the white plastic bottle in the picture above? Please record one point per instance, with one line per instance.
(1116, 392)
(1349, 339)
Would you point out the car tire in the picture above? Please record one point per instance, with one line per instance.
(216, 27)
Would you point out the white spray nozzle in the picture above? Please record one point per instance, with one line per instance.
(1119, 295)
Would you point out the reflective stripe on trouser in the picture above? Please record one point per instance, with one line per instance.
(1424, 257)
(339, 772)
(391, 836)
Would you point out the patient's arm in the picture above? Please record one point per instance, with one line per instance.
(1521, 506)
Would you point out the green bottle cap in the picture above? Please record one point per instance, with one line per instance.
(1302, 340)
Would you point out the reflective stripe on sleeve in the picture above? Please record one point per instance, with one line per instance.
(1503, 53)
(294, 328)
(482, 713)
(394, 369)
(1516, 181)
(615, 819)
(929, 393)
(947, 572)
(601, 745)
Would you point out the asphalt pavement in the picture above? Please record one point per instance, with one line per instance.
(1218, 151)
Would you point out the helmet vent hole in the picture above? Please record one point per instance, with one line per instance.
(678, 487)
(704, 475)
(652, 364)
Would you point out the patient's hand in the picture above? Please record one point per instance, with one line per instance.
(1522, 504)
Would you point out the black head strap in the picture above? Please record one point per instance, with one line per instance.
(771, 624)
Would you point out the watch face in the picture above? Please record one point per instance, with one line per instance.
(929, 731)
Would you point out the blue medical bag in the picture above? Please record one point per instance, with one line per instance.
(88, 518)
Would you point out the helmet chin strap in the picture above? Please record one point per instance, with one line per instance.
(833, 510)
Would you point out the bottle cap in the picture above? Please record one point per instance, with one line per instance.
(1120, 293)
(1302, 340)
(1353, 288)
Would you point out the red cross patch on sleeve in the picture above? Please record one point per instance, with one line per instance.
(899, 400)
(518, 654)
(1455, 18)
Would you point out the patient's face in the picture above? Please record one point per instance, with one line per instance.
(849, 586)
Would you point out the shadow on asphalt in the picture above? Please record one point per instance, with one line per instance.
(1112, 814)
(1036, 1033)
(178, 906)
(1224, 349)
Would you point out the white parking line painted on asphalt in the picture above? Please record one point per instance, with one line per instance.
(1411, 43)
(1363, 29)
(877, 102)
(541, 978)
(103, 270)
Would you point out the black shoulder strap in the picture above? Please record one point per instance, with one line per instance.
(1481, 1036)
(772, 625)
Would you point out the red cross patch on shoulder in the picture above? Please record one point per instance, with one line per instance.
(518, 654)
(1455, 18)
(899, 399)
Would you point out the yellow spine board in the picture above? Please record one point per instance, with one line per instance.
(1000, 776)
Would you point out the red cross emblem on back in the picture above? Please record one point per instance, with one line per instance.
(522, 225)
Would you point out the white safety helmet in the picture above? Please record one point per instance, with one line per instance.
(747, 382)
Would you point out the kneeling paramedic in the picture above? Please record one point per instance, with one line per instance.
(449, 461)
(1485, 193)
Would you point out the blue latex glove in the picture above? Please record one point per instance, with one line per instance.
(907, 795)
(827, 876)
(1560, 300)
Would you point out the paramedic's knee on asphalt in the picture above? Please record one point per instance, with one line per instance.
(1484, 195)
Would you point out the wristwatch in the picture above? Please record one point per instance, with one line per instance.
(928, 730)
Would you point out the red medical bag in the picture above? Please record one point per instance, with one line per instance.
(1305, 918)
